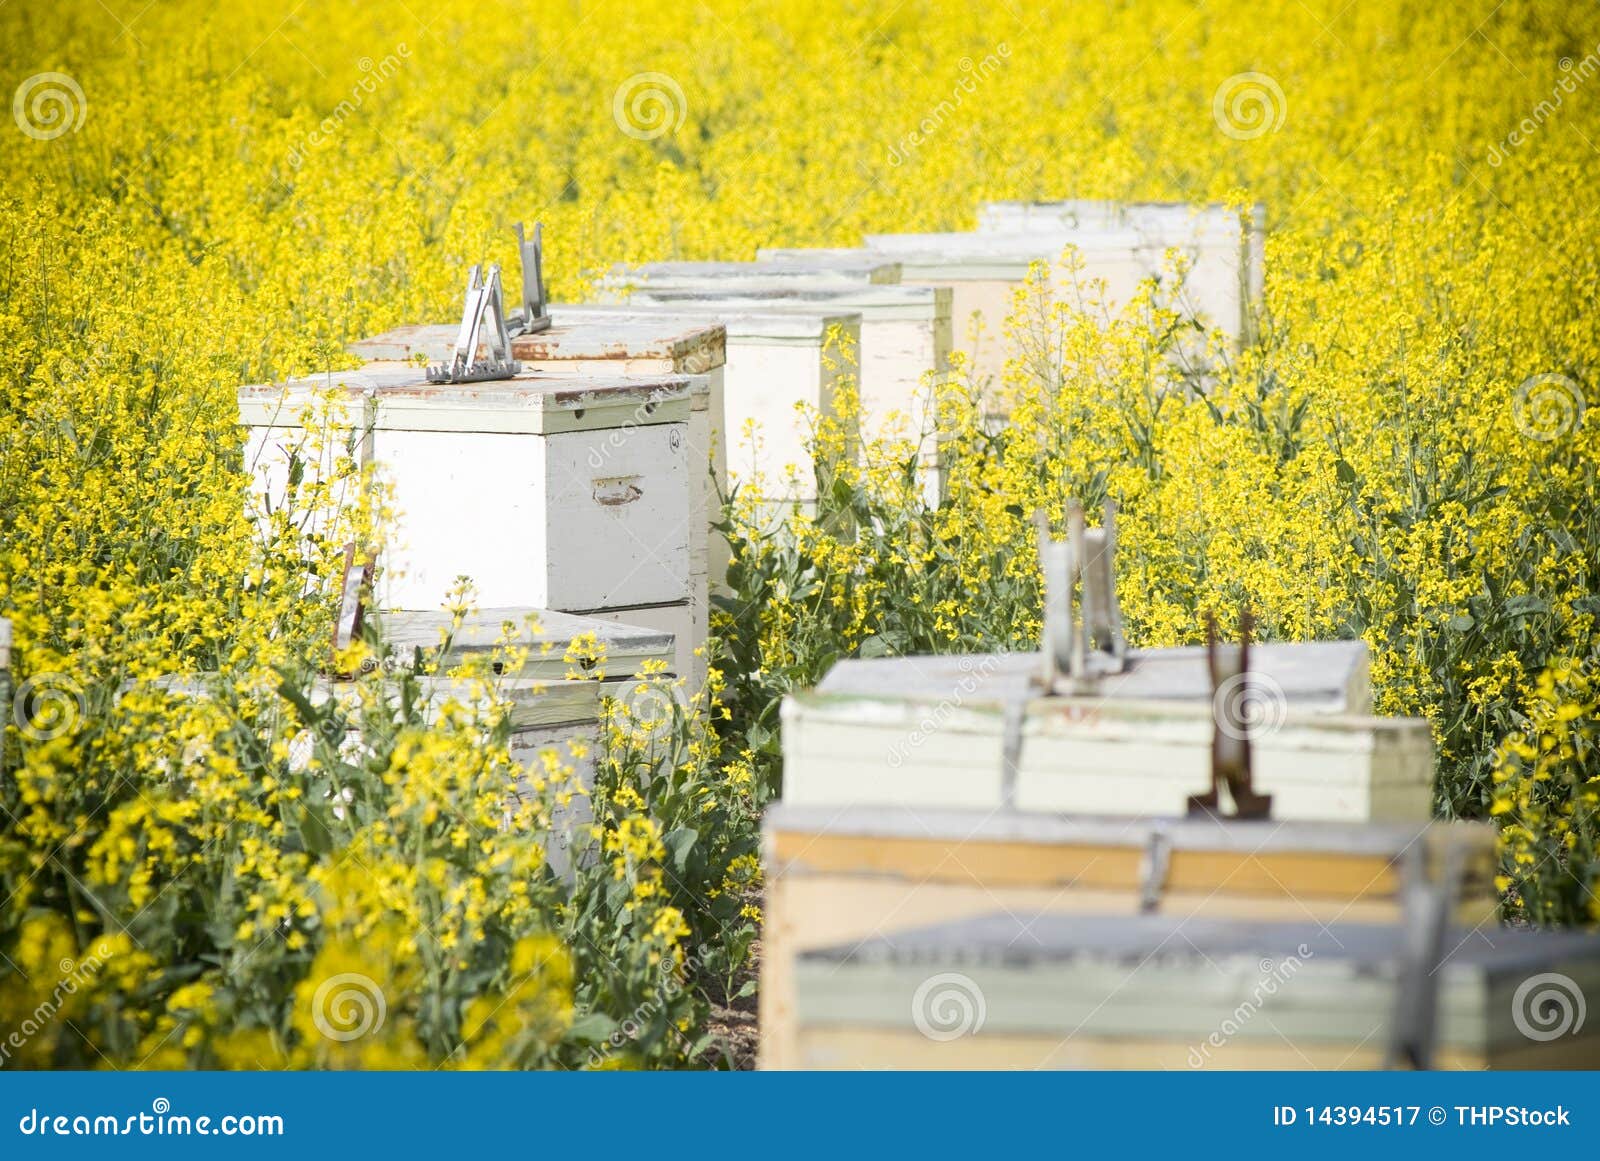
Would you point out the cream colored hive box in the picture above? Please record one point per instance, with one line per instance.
(776, 360)
(562, 492)
(838, 876)
(932, 731)
(984, 273)
(554, 705)
(1226, 251)
(622, 345)
(275, 438)
(905, 347)
(1007, 991)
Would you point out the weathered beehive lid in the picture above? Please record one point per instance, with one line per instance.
(874, 303)
(1155, 220)
(350, 396)
(1149, 991)
(625, 342)
(530, 403)
(998, 257)
(841, 267)
(545, 633)
(1320, 676)
(970, 731)
(766, 325)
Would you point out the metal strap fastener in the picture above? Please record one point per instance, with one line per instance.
(1016, 716)
(1154, 867)
(1426, 908)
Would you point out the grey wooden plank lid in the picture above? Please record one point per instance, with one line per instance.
(577, 338)
(855, 265)
(874, 302)
(1325, 676)
(1246, 838)
(754, 323)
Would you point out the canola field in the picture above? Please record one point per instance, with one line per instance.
(195, 197)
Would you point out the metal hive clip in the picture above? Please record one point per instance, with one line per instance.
(1231, 703)
(1080, 646)
(483, 323)
(534, 315)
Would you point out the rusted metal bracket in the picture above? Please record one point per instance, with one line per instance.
(1231, 699)
(534, 315)
(483, 324)
(1080, 646)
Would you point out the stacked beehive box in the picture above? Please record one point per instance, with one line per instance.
(776, 360)
(561, 492)
(554, 701)
(905, 348)
(614, 346)
(1118, 247)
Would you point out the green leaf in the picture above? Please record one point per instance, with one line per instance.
(679, 842)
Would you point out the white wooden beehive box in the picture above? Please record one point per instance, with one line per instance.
(906, 340)
(275, 438)
(627, 345)
(608, 347)
(983, 274)
(777, 359)
(554, 703)
(563, 492)
(932, 732)
(1227, 253)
